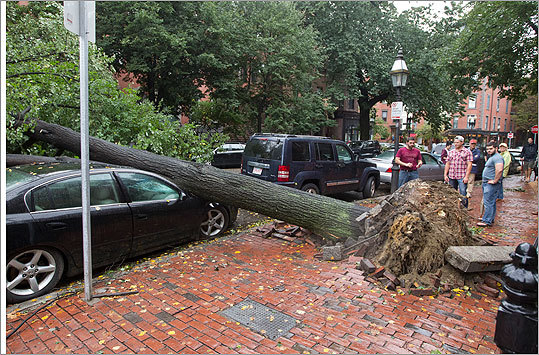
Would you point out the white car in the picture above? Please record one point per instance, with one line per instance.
(432, 168)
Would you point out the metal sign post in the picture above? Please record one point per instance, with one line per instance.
(77, 20)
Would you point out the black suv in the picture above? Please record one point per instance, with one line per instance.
(314, 164)
(365, 149)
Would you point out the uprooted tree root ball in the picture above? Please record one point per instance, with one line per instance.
(424, 219)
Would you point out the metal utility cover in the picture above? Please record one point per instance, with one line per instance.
(261, 319)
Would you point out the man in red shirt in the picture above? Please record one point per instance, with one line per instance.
(409, 159)
(458, 168)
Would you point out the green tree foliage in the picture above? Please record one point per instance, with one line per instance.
(261, 60)
(526, 113)
(499, 42)
(379, 129)
(43, 77)
(361, 40)
(158, 42)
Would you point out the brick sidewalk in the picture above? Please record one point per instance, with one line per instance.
(181, 298)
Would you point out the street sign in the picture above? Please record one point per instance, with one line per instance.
(535, 129)
(510, 135)
(72, 19)
(396, 110)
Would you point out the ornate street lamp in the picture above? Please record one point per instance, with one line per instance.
(399, 76)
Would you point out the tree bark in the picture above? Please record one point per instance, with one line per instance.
(330, 218)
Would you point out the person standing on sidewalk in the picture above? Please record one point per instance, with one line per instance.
(502, 149)
(409, 158)
(476, 154)
(458, 168)
(528, 155)
(445, 152)
(492, 174)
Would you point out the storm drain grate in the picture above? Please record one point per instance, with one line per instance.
(261, 319)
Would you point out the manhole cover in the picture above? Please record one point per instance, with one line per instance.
(261, 319)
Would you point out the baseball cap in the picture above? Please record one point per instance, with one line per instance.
(503, 145)
(473, 141)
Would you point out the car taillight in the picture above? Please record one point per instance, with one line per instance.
(389, 170)
(283, 173)
(241, 165)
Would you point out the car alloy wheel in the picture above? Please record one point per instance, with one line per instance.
(32, 273)
(311, 189)
(215, 223)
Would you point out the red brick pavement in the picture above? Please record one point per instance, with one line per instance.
(181, 295)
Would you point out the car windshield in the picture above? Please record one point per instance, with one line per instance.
(16, 177)
(388, 154)
(264, 148)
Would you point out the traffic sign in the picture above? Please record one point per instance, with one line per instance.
(535, 129)
(510, 135)
(396, 110)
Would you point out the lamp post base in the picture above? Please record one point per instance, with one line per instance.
(395, 170)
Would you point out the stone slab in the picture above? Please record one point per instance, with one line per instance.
(479, 258)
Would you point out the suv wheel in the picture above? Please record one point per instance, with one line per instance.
(370, 188)
(311, 188)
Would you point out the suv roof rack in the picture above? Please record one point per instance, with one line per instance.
(286, 135)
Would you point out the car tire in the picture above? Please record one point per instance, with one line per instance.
(370, 187)
(215, 222)
(311, 188)
(32, 273)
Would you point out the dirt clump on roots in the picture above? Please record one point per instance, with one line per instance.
(413, 233)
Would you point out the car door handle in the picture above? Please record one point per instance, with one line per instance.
(318, 166)
(340, 165)
(141, 216)
(56, 225)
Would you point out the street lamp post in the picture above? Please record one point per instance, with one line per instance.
(399, 76)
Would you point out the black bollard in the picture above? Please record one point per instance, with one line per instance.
(516, 321)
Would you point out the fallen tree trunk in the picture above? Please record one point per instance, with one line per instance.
(331, 218)
(21, 159)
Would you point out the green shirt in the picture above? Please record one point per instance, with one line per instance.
(506, 162)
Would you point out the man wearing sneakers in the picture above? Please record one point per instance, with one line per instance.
(528, 155)
(458, 168)
(492, 174)
(476, 154)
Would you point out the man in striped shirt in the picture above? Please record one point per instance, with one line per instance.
(458, 168)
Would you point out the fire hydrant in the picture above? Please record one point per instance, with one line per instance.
(516, 321)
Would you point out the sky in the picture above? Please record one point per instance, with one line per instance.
(438, 6)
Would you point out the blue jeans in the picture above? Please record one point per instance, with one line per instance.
(459, 185)
(407, 175)
(500, 188)
(490, 193)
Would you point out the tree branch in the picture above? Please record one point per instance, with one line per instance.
(65, 77)
(29, 59)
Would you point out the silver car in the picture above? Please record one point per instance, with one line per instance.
(432, 168)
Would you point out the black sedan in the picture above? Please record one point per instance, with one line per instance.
(133, 212)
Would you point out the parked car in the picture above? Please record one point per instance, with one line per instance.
(133, 212)
(432, 168)
(313, 164)
(228, 155)
(365, 149)
(516, 152)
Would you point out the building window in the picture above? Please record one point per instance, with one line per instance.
(499, 122)
(350, 104)
(493, 123)
(471, 102)
(498, 105)
(488, 101)
(471, 121)
(456, 122)
(486, 123)
(384, 115)
(340, 103)
(505, 125)
(506, 106)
